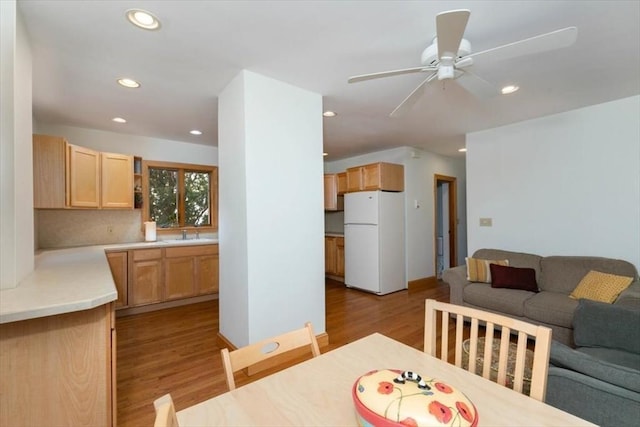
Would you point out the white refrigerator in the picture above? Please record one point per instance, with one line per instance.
(374, 241)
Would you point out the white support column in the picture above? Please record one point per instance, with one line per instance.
(271, 217)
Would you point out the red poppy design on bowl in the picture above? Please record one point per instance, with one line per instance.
(443, 388)
(385, 387)
(440, 412)
(464, 411)
(409, 422)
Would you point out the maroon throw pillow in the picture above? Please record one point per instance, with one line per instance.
(513, 278)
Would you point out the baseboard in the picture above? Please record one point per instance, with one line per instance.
(424, 283)
(162, 305)
(336, 278)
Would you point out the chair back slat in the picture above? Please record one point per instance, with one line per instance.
(244, 357)
(165, 412)
(485, 325)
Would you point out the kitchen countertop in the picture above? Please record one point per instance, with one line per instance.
(68, 280)
(333, 234)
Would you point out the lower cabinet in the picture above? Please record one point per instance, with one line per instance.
(59, 370)
(118, 263)
(334, 256)
(145, 276)
(172, 273)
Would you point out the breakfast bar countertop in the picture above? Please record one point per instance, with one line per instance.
(68, 280)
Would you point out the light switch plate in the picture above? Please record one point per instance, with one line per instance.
(486, 222)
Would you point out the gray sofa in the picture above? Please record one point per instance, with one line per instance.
(599, 380)
(556, 277)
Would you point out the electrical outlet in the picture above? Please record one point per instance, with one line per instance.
(109, 229)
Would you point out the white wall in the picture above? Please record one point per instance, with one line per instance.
(16, 166)
(271, 204)
(419, 169)
(146, 147)
(566, 184)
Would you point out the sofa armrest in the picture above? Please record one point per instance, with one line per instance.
(456, 277)
(630, 297)
(563, 356)
(594, 400)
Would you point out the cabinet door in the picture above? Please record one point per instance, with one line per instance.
(330, 192)
(354, 179)
(49, 157)
(84, 177)
(117, 180)
(145, 277)
(179, 277)
(371, 177)
(330, 255)
(118, 265)
(342, 183)
(340, 256)
(208, 274)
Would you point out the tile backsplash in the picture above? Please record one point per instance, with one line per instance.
(75, 227)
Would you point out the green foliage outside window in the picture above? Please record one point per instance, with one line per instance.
(179, 197)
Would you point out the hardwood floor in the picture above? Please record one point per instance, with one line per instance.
(175, 350)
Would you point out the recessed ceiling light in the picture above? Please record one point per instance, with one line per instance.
(130, 83)
(195, 132)
(329, 114)
(509, 89)
(143, 19)
(462, 150)
(119, 120)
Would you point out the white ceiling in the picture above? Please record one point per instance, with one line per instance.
(80, 48)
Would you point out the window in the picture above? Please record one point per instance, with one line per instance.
(178, 195)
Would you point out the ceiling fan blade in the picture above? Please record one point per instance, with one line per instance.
(544, 42)
(381, 74)
(450, 29)
(410, 100)
(477, 86)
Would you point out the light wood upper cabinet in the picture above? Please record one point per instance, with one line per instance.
(332, 202)
(118, 265)
(376, 176)
(70, 176)
(342, 183)
(49, 172)
(116, 180)
(83, 168)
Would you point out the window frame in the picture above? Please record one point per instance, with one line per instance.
(181, 168)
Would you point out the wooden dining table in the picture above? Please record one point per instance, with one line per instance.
(317, 392)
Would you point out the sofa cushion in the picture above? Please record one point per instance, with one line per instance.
(600, 286)
(513, 278)
(598, 324)
(613, 355)
(516, 259)
(563, 273)
(552, 308)
(478, 269)
(508, 301)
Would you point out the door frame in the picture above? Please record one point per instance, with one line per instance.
(453, 221)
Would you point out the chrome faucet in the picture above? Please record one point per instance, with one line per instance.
(184, 234)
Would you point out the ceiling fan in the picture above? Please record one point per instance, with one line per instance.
(449, 57)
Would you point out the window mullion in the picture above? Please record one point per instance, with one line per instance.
(181, 196)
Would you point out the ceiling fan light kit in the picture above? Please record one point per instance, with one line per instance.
(449, 57)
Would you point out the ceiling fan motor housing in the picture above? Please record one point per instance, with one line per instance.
(430, 54)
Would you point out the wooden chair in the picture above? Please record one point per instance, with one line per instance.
(165, 412)
(244, 357)
(525, 331)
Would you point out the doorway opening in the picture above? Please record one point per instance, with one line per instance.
(445, 224)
